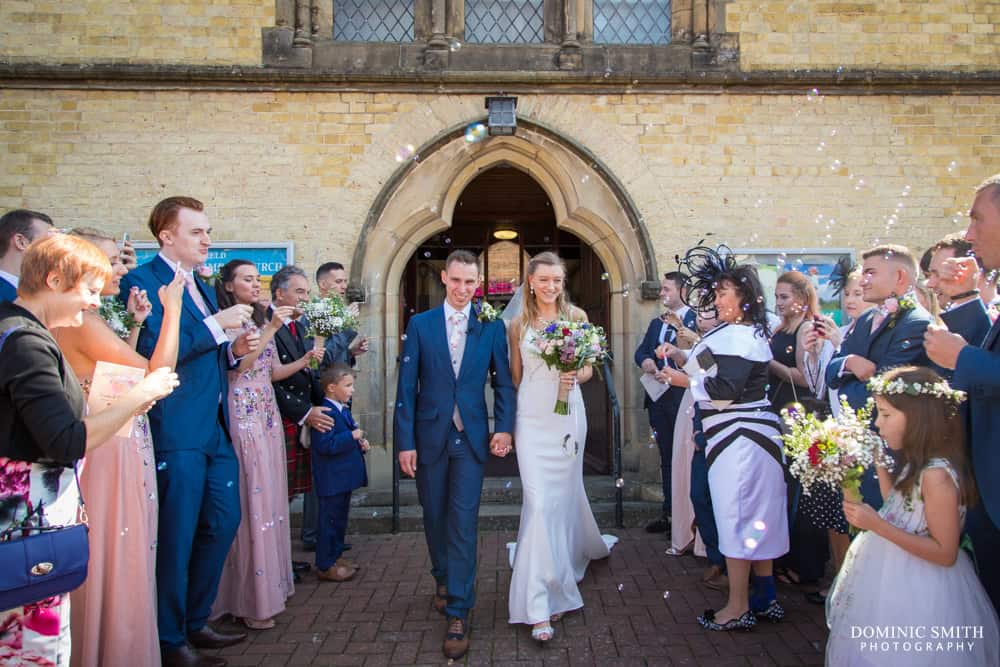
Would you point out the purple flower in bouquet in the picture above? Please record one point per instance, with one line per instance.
(569, 346)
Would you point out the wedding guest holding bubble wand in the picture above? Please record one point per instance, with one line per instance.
(119, 480)
(257, 577)
(43, 433)
(727, 373)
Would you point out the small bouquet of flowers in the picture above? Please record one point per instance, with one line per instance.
(569, 346)
(327, 316)
(117, 316)
(488, 313)
(836, 450)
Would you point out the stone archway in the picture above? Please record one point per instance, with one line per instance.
(419, 201)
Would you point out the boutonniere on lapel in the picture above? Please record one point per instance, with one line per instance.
(895, 306)
(206, 274)
(487, 313)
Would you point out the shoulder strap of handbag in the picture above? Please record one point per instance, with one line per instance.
(76, 464)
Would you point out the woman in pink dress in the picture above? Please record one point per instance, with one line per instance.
(113, 615)
(257, 577)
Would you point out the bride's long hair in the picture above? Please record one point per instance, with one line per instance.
(529, 312)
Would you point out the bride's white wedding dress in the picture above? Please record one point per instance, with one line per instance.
(558, 535)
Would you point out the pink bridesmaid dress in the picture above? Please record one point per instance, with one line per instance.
(257, 577)
(113, 615)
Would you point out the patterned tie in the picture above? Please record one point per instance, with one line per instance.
(195, 295)
(456, 347)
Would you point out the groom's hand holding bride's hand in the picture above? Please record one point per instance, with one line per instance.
(500, 444)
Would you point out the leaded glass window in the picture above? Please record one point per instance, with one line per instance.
(632, 21)
(504, 21)
(373, 20)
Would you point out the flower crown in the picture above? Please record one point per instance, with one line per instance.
(940, 389)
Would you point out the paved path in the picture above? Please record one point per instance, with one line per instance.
(640, 610)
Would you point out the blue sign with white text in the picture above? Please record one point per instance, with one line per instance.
(267, 258)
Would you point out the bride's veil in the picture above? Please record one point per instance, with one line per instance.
(513, 308)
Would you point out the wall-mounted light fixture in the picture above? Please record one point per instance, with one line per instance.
(501, 118)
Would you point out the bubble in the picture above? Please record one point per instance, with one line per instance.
(905, 192)
(407, 152)
(750, 543)
(813, 94)
(833, 132)
(666, 595)
(125, 531)
(152, 496)
(604, 276)
(507, 485)
(152, 547)
(860, 184)
(619, 483)
(760, 299)
(584, 178)
(759, 525)
(835, 165)
(406, 359)
(797, 264)
(476, 132)
(607, 73)
(621, 587)
(374, 514)
(259, 573)
(454, 45)
(403, 337)
(758, 203)
(162, 465)
(317, 638)
(624, 293)
(952, 166)
(821, 146)
(789, 349)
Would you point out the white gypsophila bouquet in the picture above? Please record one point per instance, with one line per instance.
(836, 450)
(327, 316)
(117, 316)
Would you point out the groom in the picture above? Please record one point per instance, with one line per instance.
(442, 427)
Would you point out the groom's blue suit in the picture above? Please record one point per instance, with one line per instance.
(451, 463)
(197, 472)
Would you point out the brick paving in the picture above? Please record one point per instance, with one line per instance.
(383, 616)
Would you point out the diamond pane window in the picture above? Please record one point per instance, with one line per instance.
(503, 21)
(373, 20)
(632, 21)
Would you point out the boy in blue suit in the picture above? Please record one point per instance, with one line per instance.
(338, 467)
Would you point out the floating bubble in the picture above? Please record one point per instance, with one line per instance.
(952, 166)
(317, 638)
(375, 514)
(447, 240)
(760, 299)
(821, 146)
(607, 73)
(619, 482)
(789, 349)
(759, 525)
(406, 360)
(507, 485)
(584, 178)
(604, 276)
(162, 465)
(750, 543)
(427, 253)
(124, 531)
(454, 45)
(621, 587)
(407, 152)
(476, 132)
(666, 595)
(833, 132)
(835, 165)
(758, 203)
(813, 93)
(259, 573)
(403, 337)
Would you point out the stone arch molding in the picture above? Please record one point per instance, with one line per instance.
(420, 199)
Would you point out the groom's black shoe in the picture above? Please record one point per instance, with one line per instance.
(456, 642)
(209, 638)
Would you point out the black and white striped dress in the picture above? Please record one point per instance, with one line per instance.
(746, 473)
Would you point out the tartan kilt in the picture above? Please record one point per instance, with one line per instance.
(298, 460)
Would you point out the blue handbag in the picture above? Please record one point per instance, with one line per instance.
(38, 562)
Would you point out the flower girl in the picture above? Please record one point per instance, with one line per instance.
(906, 594)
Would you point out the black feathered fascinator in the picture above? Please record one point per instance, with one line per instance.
(703, 267)
(839, 274)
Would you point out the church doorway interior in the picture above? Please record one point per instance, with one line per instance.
(505, 217)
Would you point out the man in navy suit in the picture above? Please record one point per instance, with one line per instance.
(977, 371)
(886, 336)
(441, 429)
(663, 411)
(197, 472)
(18, 228)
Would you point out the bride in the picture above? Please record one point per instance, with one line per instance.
(558, 535)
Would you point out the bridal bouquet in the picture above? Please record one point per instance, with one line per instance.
(836, 450)
(569, 346)
(117, 316)
(327, 316)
